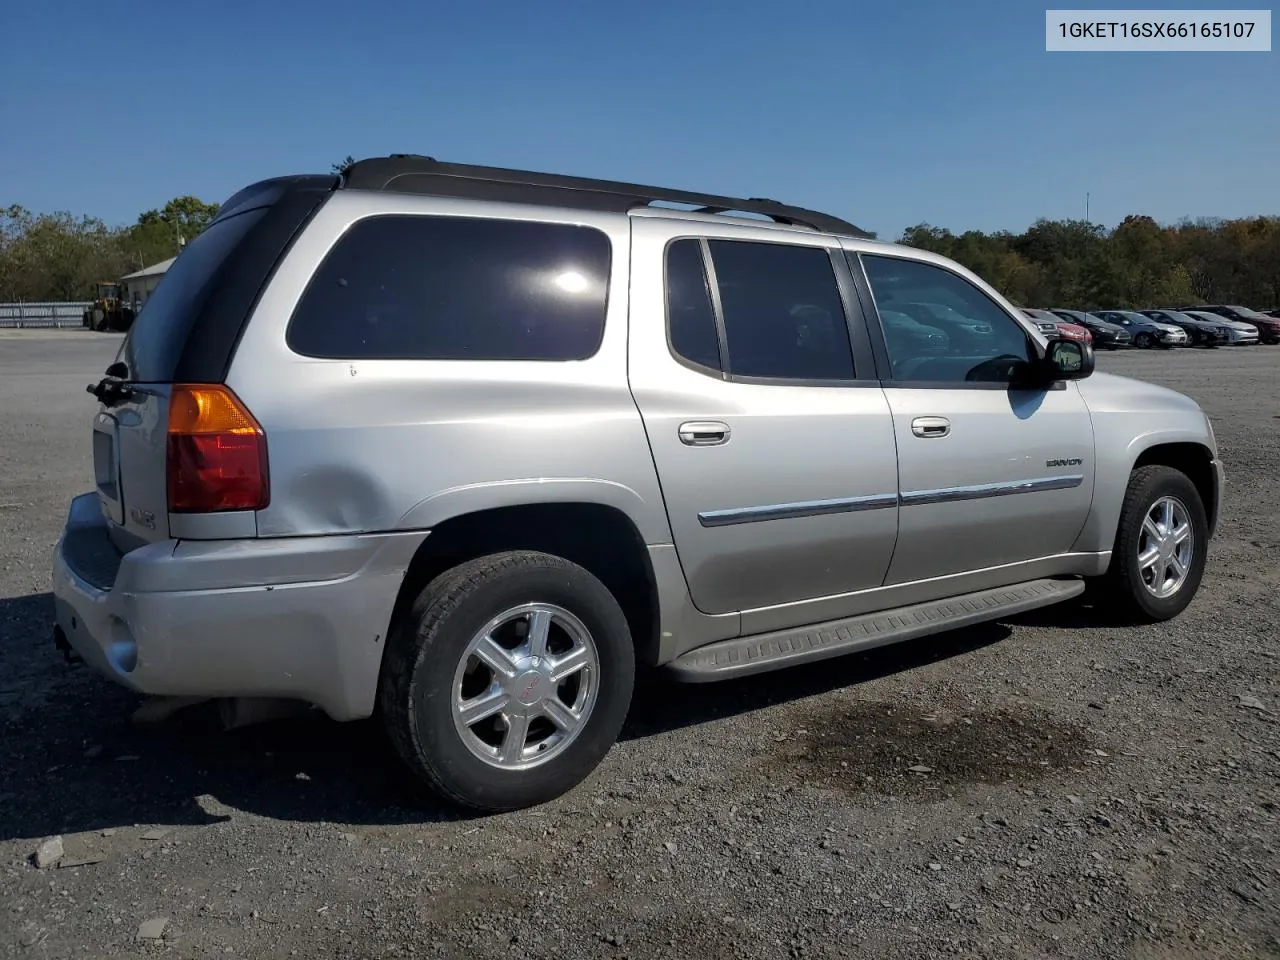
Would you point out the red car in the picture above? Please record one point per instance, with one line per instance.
(1050, 322)
(1073, 331)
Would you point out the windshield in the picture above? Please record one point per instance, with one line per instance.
(1043, 315)
(1250, 313)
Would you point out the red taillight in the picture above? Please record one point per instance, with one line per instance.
(217, 452)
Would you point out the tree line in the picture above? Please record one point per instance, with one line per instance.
(1138, 264)
(59, 256)
(1071, 263)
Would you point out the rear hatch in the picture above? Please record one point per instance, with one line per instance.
(186, 333)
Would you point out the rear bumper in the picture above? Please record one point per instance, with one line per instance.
(303, 618)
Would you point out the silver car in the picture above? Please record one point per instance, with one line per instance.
(1146, 331)
(462, 446)
(1237, 332)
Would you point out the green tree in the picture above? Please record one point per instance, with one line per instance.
(160, 234)
(54, 256)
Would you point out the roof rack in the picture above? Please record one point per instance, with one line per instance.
(411, 173)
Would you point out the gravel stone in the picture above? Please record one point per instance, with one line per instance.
(49, 853)
(152, 929)
(1162, 845)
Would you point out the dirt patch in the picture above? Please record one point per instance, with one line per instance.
(874, 747)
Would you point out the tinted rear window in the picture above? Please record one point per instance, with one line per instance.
(159, 334)
(783, 316)
(446, 288)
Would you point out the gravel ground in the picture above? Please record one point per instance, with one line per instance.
(1078, 790)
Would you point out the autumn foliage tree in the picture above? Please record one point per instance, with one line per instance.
(1071, 263)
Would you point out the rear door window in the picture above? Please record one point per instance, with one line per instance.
(409, 287)
(783, 317)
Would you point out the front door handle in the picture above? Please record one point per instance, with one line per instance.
(704, 433)
(931, 426)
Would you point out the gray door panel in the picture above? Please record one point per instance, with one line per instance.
(778, 491)
(799, 503)
(1011, 480)
(988, 475)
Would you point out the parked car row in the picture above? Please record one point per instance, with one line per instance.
(1206, 325)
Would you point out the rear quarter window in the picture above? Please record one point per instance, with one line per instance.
(407, 287)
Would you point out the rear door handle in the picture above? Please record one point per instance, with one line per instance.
(931, 426)
(704, 433)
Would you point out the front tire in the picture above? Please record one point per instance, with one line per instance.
(1158, 558)
(508, 680)
(1143, 341)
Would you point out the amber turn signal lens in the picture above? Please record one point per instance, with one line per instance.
(200, 409)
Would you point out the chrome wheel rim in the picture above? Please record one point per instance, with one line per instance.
(526, 685)
(1166, 547)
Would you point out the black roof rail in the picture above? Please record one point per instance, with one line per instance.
(411, 173)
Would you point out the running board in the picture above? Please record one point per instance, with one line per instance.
(784, 648)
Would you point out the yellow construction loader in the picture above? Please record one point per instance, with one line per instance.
(108, 310)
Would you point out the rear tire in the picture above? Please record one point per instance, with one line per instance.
(440, 671)
(1158, 558)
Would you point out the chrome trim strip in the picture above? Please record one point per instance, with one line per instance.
(793, 511)
(983, 491)
(882, 501)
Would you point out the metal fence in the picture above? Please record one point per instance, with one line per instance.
(60, 314)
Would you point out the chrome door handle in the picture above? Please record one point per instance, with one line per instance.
(704, 433)
(931, 426)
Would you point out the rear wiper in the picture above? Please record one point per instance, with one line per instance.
(111, 391)
(114, 388)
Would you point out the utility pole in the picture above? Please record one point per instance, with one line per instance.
(1086, 208)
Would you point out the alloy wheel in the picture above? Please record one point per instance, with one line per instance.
(525, 686)
(1166, 547)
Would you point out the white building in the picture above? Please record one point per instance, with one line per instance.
(136, 287)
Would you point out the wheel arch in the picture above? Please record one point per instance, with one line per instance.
(1183, 449)
(1195, 460)
(600, 537)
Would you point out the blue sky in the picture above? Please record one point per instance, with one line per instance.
(888, 114)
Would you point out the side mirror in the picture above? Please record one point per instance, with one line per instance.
(1067, 359)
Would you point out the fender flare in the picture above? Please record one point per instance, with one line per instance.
(1099, 531)
(650, 519)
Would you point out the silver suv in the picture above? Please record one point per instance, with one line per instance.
(462, 446)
